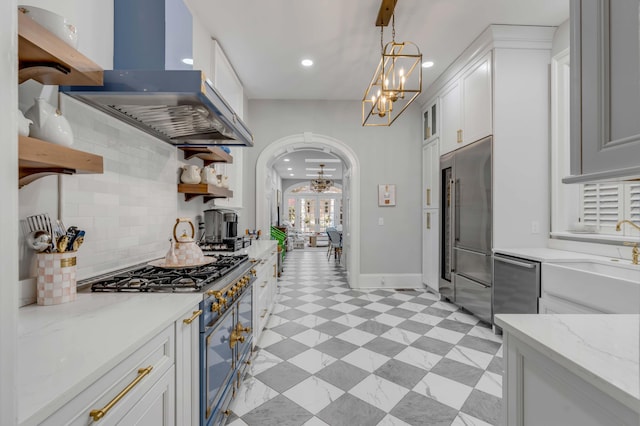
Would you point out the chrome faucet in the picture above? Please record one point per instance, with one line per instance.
(635, 253)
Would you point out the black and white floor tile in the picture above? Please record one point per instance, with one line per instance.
(335, 356)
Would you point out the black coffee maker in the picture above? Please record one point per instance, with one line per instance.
(221, 230)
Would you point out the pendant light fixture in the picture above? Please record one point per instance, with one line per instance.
(321, 184)
(398, 78)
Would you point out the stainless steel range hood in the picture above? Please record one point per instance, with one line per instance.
(150, 88)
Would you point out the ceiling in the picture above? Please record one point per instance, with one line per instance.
(265, 40)
(299, 163)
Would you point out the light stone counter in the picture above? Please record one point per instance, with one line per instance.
(603, 350)
(64, 348)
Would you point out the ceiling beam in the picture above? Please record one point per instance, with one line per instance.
(385, 13)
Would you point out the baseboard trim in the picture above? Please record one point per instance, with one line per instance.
(390, 281)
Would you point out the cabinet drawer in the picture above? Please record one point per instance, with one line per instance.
(158, 353)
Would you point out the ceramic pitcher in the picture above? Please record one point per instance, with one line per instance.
(23, 124)
(48, 123)
(208, 175)
(190, 174)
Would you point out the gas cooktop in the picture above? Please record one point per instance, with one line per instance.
(146, 278)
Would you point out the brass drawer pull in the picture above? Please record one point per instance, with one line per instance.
(196, 314)
(264, 285)
(428, 196)
(428, 220)
(264, 313)
(98, 414)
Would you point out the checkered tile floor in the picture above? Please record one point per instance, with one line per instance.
(335, 356)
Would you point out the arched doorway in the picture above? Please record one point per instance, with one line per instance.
(309, 211)
(350, 187)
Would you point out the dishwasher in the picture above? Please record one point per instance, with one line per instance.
(516, 286)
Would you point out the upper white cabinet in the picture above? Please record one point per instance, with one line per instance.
(430, 117)
(466, 106)
(605, 102)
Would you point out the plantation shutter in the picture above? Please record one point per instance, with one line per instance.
(634, 204)
(600, 206)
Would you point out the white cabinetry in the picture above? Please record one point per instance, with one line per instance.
(467, 106)
(430, 257)
(605, 52)
(188, 368)
(265, 288)
(430, 175)
(430, 123)
(139, 390)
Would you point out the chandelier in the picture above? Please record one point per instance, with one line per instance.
(320, 184)
(397, 80)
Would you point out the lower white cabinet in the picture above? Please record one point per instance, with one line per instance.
(188, 368)
(138, 390)
(538, 391)
(265, 288)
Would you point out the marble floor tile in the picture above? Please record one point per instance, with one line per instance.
(365, 359)
(485, 333)
(491, 383)
(313, 394)
(389, 319)
(399, 335)
(291, 314)
(414, 326)
(289, 329)
(496, 366)
(435, 346)
(379, 307)
(458, 371)
(374, 327)
(424, 318)
(349, 410)
(345, 308)
(332, 328)
(336, 347)
(282, 376)
(311, 338)
(445, 335)
(446, 391)
(365, 313)
(262, 361)
(379, 392)
(280, 411)
(453, 325)
(463, 318)
(384, 346)
(401, 373)
(342, 375)
(268, 338)
(349, 320)
(401, 312)
(416, 409)
(312, 360)
(467, 420)
(314, 421)
(252, 394)
(310, 321)
(470, 357)
(357, 337)
(483, 406)
(479, 344)
(411, 306)
(329, 313)
(286, 349)
(418, 357)
(310, 308)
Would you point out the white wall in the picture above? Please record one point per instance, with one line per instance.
(386, 155)
(9, 211)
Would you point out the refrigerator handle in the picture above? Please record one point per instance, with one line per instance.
(452, 225)
(456, 211)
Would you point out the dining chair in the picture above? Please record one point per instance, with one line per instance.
(335, 239)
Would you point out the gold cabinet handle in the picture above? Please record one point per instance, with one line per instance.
(428, 196)
(98, 414)
(428, 220)
(264, 285)
(274, 270)
(460, 136)
(195, 315)
(235, 338)
(264, 313)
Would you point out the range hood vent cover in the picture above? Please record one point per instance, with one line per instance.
(148, 92)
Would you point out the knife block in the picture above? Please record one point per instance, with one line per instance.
(56, 282)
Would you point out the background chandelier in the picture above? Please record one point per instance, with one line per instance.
(398, 78)
(320, 184)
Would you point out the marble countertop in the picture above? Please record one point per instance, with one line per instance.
(604, 350)
(64, 348)
(542, 254)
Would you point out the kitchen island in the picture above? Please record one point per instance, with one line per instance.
(571, 369)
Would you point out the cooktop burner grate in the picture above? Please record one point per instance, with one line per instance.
(153, 279)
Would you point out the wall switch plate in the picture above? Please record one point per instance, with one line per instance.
(380, 221)
(535, 227)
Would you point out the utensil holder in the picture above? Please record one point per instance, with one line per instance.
(56, 281)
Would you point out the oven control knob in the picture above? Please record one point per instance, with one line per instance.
(230, 293)
(253, 272)
(222, 300)
(214, 293)
(216, 307)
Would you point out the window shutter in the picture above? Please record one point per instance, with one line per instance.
(634, 204)
(600, 206)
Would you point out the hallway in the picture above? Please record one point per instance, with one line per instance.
(335, 356)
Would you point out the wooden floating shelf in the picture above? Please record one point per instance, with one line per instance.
(209, 191)
(49, 60)
(38, 158)
(208, 154)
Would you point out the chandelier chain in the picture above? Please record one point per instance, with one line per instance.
(393, 28)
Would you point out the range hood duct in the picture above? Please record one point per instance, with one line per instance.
(152, 89)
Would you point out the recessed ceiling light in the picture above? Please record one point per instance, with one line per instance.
(317, 169)
(188, 61)
(291, 174)
(286, 159)
(306, 62)
(322, 160)
(289, 168)
(427, 64)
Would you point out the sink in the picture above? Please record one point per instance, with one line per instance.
(601, 286)
(623, 272)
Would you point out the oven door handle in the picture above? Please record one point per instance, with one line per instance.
(515, 262)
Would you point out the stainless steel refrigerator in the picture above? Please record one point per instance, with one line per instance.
(466, 227)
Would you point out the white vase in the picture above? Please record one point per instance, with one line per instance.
(208, 175)
(49, 124)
